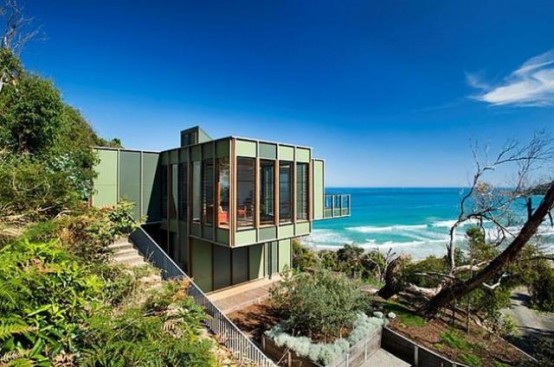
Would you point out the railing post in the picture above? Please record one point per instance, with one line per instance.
(416, 355)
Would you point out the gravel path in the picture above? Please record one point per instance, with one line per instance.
(531, 324)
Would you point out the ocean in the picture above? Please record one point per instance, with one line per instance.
(413, 221)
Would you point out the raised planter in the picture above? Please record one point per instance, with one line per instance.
(357, 355)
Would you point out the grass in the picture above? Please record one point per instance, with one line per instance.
(404, 314)
(455, 341)
(471, 360)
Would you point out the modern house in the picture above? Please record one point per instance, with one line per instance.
(226, 210)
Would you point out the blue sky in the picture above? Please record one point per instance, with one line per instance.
(389, 93)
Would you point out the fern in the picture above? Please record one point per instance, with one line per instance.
(8, 330)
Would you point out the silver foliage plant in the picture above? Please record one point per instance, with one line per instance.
(325, 353)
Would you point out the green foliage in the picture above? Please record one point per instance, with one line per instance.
(542, 290)
(479, 248)
(321, 305)
(455, 340)
(154, 335)
(302, 257)
(543, 352)
(325, 353)
(433, 266)
(404, 315)
(47, 296)
(471, 360)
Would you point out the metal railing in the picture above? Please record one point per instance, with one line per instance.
(336, 206)
(246, 352)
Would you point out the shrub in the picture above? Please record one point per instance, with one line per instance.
(325, 353)
(302, 257)
(320, 305)
(542, 291)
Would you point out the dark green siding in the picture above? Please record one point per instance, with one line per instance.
(130, 179)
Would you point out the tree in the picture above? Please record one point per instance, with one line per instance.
(485, 203)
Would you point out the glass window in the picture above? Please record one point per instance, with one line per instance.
(164, 191)
(267, 192)
(196, 185)
(302, 191)
(183, 191)
(285, 191)
(173, 186)
(245, 192)
(208, 191)
(223, 192)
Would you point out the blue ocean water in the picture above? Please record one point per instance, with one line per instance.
(413, 221)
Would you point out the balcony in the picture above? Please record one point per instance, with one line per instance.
(336, 206)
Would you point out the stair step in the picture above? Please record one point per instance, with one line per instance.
(126, 251)
(151, 279)
(130, 260)
(116, 246)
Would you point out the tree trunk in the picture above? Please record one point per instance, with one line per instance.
(458, 290)
(392, 282)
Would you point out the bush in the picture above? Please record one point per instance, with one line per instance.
(320, 305)
(302, 257)
(542, 291)
(321, 352)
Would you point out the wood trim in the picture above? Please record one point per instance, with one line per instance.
(276, 181)
(232, 192)
(257, 188)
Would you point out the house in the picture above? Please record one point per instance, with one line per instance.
(226, 210)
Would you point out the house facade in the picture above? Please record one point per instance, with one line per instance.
(226, 210)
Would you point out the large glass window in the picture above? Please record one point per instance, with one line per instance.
(208, 191)
(267, 192)
(245, 191)
(285, 192)
(196, 194)
(164, 191)
(183, 191)
(302, 191)
(223, 192)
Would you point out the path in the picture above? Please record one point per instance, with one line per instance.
(382, 358)
(531, 324)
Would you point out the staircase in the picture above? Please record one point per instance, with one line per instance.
(126, 254)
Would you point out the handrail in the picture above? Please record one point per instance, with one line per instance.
(226, 331)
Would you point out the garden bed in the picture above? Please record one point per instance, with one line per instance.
(478, 348)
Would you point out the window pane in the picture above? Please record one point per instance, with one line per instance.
(285, 191)
(208, 191)
(245, 192)
(183, 191)
(164, 191)
(301, 191)
(196, 185)
(174, 185)
(267, 192)
(223, 192)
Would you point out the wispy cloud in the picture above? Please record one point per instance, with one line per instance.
(532, 84)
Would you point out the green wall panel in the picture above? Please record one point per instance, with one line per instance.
(318, 189)
(222, 236)
(286, 153)
(303, 155)
(222, 267)
(105, 183)
(201, 253)
(302, 228)
(245, 148)
(240, 265)
(222, 148)
(245, 237)
(268, 151)
(267, 233)
(256, 263)
(284, 254)
(286, 231)
(130, 179)
(151, 191)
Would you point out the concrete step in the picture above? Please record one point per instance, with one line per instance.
(131, 260)
(154, 278)
(116, 246)
(125, 252)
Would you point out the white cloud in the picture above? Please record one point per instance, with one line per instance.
(530, 85)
